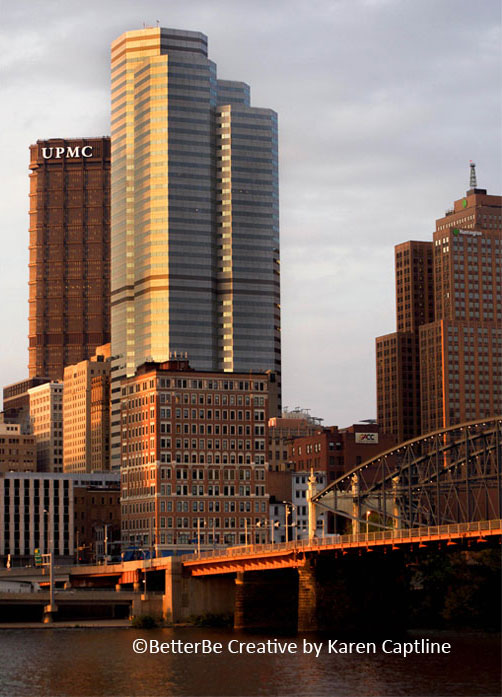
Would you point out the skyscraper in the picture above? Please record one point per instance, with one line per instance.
(444, 364)
(398, 375)
(69, 300)
(195, 233)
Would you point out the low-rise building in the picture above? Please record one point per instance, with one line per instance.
(38, 512)
(17, 450)
(336, 451)
(282, 429)
(97, 520)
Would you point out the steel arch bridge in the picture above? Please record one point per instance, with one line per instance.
(453, 475)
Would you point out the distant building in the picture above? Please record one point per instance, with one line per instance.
(85, 413)
(38, 512)
(69, 286)
(16, 402)
(194, 456)
(46, 418)
(17, 451)
(300, 513)
(398, 370)
(281, 429)
(443, 366)
(335, 451)
(97, 520)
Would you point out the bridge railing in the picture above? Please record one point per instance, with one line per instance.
(427, 532)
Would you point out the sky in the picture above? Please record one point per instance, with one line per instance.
(381, 103)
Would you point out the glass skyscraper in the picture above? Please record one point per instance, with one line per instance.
(195, 218)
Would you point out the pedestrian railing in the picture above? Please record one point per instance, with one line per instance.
(361, 538)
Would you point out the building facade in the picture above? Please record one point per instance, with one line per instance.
(16, 402)
(97, 521)
(46, 418)
(281, 429)
(398, 371)
(86, 413)
(193, 457)
(38, 512)
(443, 366)
(69, 283)
(335, 451)
(17, 451)
(195, 232)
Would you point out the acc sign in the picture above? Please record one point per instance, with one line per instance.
(58, 153)
(366, 437)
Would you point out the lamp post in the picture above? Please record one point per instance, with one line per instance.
(289, 507)
(51, 608)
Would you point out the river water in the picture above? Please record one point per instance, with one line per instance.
(99, 662)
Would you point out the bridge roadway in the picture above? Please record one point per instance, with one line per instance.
(294, 554)
(261, 557)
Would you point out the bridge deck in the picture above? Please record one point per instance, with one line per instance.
(293, 554)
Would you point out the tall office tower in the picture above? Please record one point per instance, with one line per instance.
(461, 351)
(455, 368)
(195, 236)
(398, 377)
(69, 301)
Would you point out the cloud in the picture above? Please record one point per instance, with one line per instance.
(381, 105)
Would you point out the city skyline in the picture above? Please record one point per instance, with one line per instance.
(353, 193)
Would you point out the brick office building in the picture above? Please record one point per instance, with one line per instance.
(336, 450)
(444, 364)
(69, 285)
(194, 456)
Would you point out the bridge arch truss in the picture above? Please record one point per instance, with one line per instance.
(448, 476)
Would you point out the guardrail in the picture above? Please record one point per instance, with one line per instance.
(428, 532)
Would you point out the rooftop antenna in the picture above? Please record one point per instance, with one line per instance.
(473, 183)
(158, 22)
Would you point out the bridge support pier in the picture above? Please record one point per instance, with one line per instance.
(265, 600)
(307, 598)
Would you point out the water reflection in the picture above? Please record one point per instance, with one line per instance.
(86, 662)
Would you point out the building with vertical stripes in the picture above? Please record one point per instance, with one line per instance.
(195, 223)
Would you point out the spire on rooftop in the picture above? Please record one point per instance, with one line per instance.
(472, 181)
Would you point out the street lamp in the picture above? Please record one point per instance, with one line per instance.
(289, 507)
(52, 607)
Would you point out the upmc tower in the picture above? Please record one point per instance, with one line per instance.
(195, 219)
(69, 302)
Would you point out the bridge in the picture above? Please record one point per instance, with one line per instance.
(438, 492)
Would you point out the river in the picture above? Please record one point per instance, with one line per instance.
(99, 662)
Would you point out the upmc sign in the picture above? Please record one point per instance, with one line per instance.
(60, 152)
(367, 438)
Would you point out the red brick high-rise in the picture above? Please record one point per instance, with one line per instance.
(194, 446)
(444, 364)
(69, 299)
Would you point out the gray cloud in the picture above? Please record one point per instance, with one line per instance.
(381, 104)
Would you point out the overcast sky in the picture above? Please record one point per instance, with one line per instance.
(381, 103)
